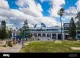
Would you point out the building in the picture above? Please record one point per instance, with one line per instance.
(46, 33)
(66, 29)
(50, 33)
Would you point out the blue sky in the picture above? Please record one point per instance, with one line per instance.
(38, 11)
(45, 5)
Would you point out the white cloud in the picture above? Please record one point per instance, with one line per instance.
(56, 5)
(71, 12)
(44, 1)
(78, 5)
(54, 11)
(32, 13)
(32, 8)
(4, 4)
(49, 21)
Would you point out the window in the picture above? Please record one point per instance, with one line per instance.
(66, 28)
(78, 32)
(53, 34)
(35, 34)
(48, 35)
(43, 35)
(39, 34)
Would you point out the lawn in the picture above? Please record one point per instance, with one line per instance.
(50, 46)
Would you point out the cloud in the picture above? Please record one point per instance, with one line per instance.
(54, 11)
(44, 1)
(56, 5)
(28, 10)
(71, 12)
(33, 8)
(4, 4)
(49, 21)
(78, 5)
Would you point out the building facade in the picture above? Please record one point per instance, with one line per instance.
(50, 33)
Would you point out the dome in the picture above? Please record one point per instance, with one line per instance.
(40, 24)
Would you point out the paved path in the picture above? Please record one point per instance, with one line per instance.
(75, 48)
(13, 49)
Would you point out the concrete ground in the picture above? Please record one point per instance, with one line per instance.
(13, 49)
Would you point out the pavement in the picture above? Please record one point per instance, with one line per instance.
(15, 48)
(75, 48)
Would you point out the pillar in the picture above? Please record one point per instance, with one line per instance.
(63, 36)
(37, 34)
(51, 35)
(56, 36)
(46, 35)
(41, 34)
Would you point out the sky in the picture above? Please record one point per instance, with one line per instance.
(15, 12)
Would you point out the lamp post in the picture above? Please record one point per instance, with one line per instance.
(23, 40)
(61, 14)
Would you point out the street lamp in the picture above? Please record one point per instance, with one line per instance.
(61, 14)
(23, 40)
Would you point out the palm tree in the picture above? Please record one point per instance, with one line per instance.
(61, 11)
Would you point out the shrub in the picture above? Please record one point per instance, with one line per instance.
(38, 39)
(4, 45)
(9, 44)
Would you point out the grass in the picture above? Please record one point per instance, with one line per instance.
(50, 46)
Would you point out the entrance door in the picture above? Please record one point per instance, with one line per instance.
(59, 36)
(53, 36)
(66, 37)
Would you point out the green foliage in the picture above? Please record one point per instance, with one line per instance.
(27, 30)
(72, 29)
(9, 44)
(61, 12)
(21, 32)
(78, 25)
(78, 22)
(9, 33)
(3, 33)
(28, 33)
(78, 16)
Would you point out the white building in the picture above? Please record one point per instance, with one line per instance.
(50, 33)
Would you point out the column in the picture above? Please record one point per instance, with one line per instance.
(41, 34)
(56, 36)
(51, 35)
(46, 35)
(63, 36)
(37, 34)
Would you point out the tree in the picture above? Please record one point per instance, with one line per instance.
(78, 16)
(21, 32)
(78, 25)
(28, 32)
(72, 29)
(25, 31)
(78, 22)
(28, 35)
(61, 14)
(3, 33)
(9, 33)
